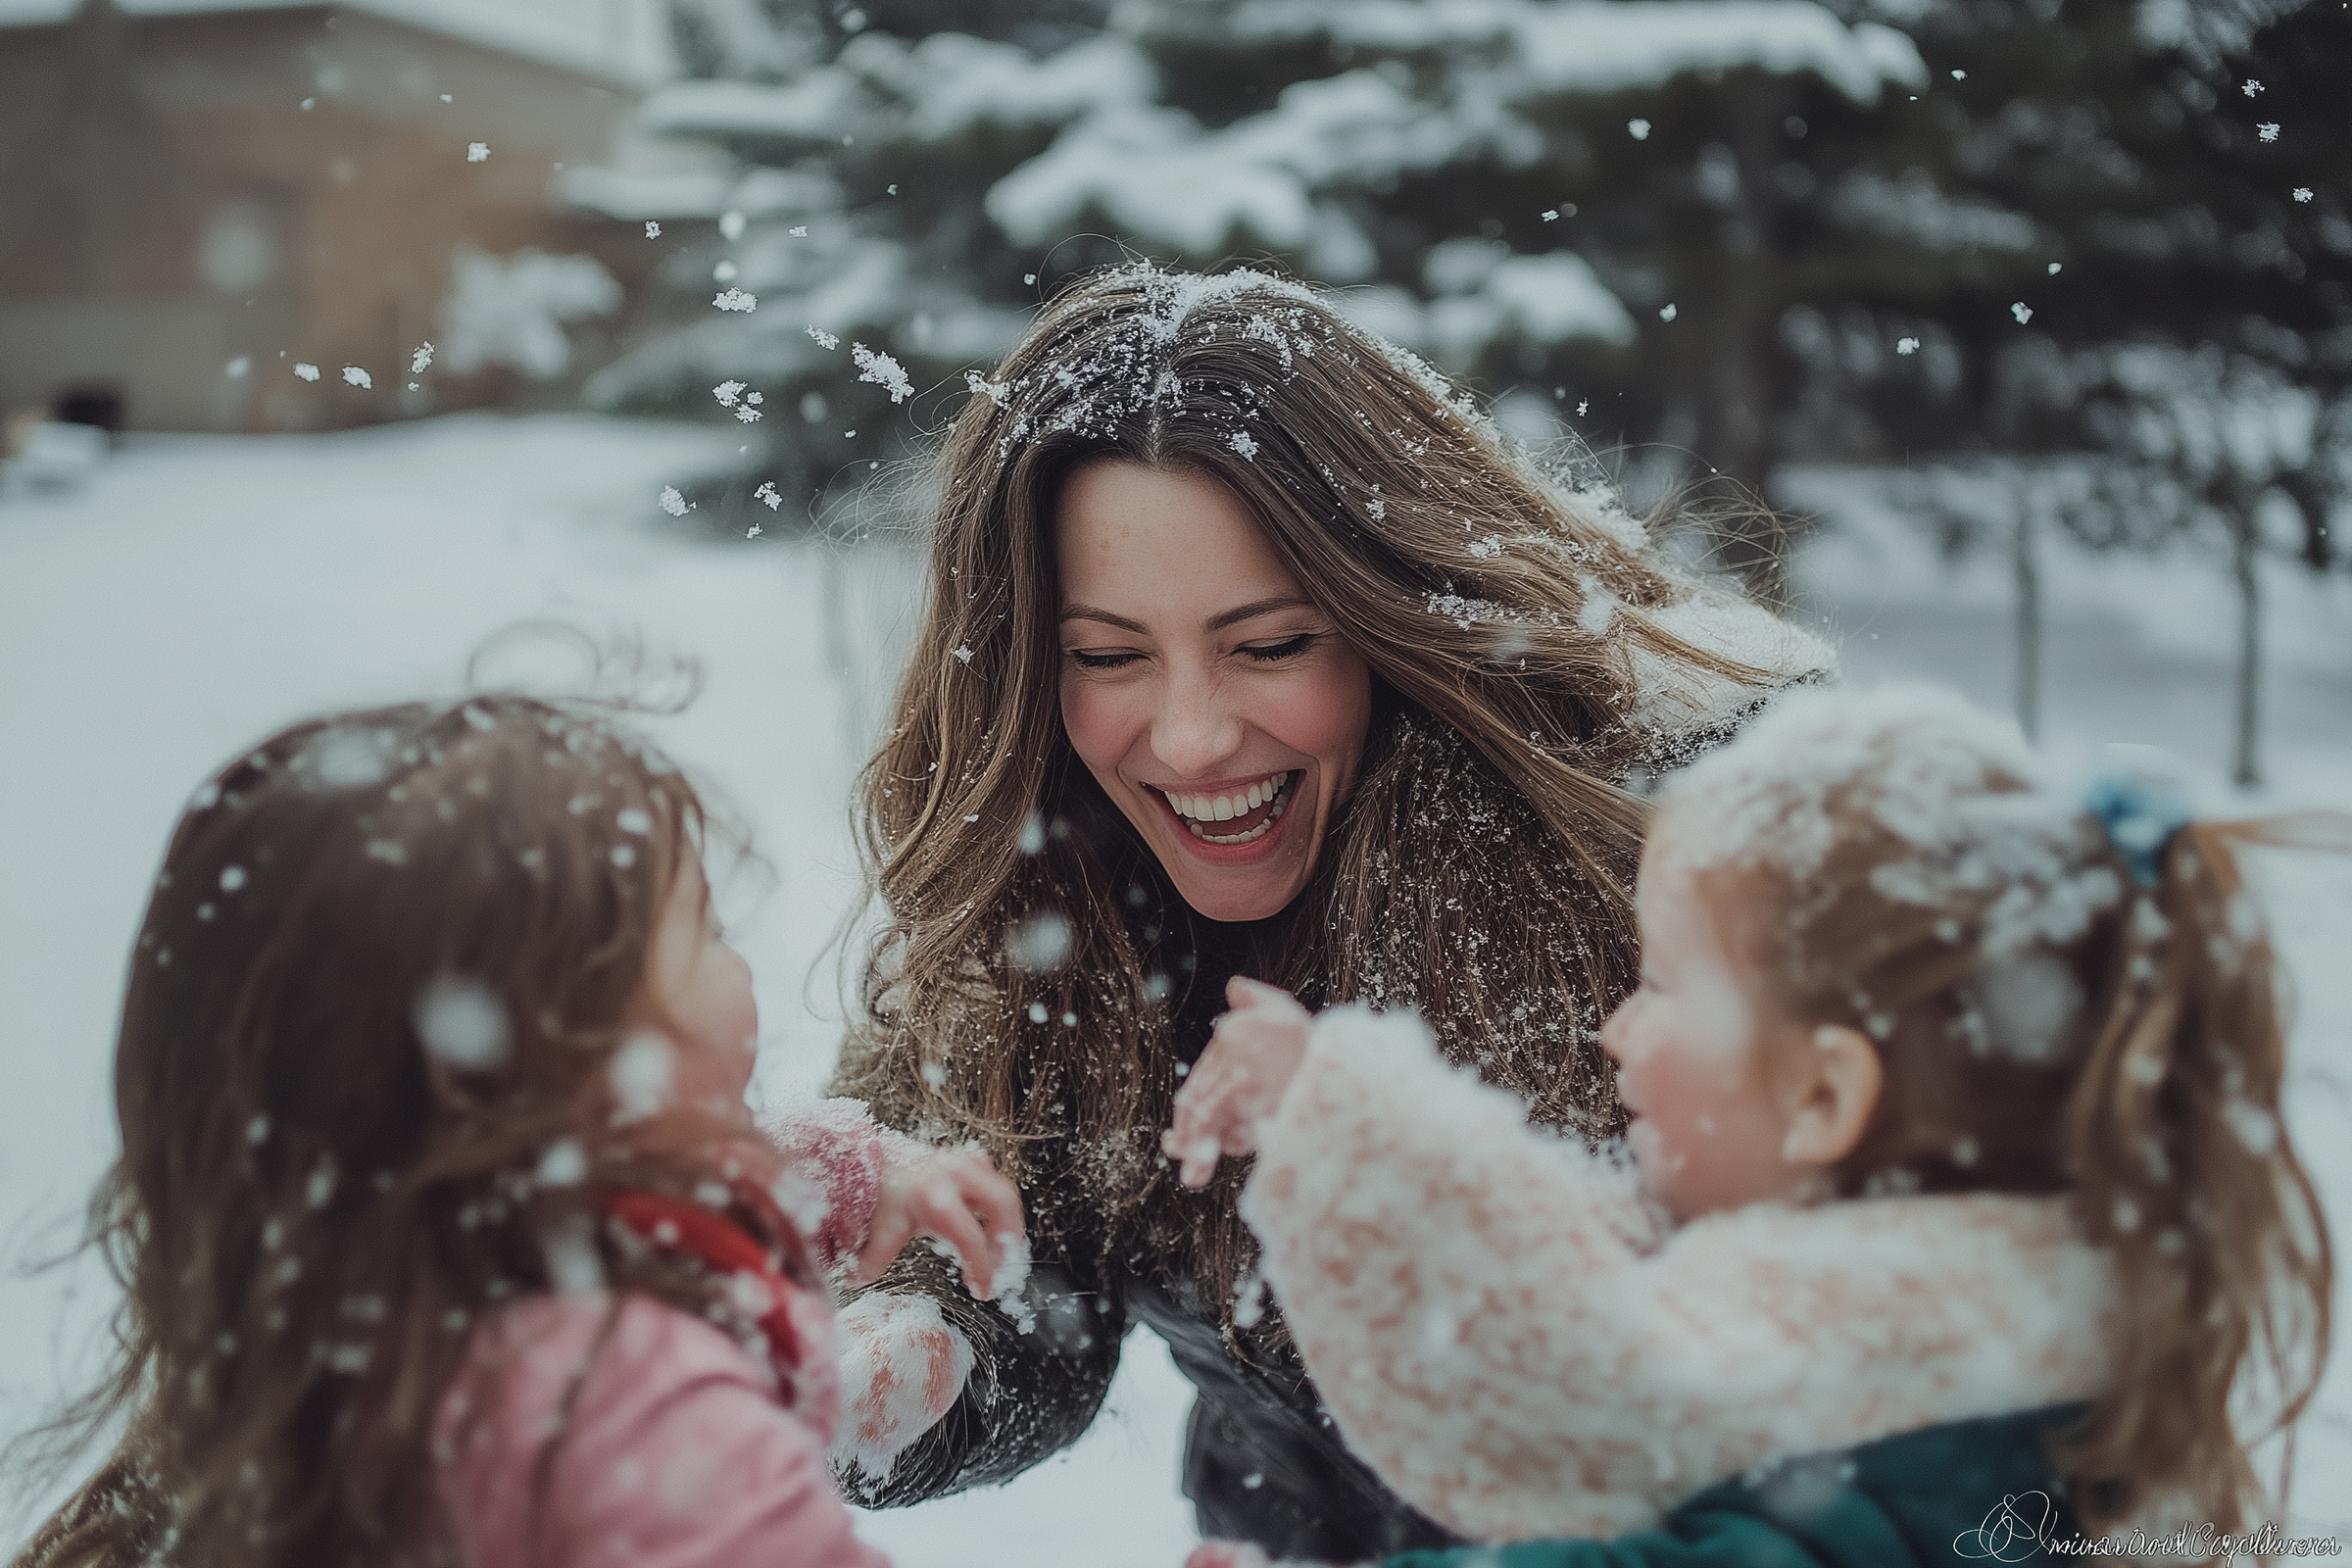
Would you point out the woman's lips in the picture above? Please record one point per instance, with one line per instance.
(1229, 824)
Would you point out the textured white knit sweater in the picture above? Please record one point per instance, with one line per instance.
(1519, 1346)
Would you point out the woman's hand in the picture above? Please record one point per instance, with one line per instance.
(1250, 1059)
(902, 1367)
(953, 1194)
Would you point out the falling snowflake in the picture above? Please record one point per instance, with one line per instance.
(1959, 76)
(2054, 267)
(798, 232)
(883, 370)
(477, 152)
(769, 495)
(1668, 314)
(1582, 404)
(235, 368)
(1638, 130)
(735, 395)
(824, 339)
(309, 373)
(352, 376)
(2251, 88)
(730, 224)
(2268, 130)
(1244, 443)
(2302, 193)
(1029, 279)
(420, 359)
(735, 299)
(653, 231)
(2023, 311)
(672, 502)
(997, 392)
(753, 532)
(1551, 214)
(1906, 345)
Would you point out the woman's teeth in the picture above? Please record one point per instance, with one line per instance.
(1199, 808)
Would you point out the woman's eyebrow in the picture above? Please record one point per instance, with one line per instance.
(1089, 612)
(1258, 607)
(1216, 622)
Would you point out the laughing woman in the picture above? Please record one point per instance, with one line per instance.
(1251, 649)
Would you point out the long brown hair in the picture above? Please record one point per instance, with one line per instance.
(2059, 1009)
(384, 975)
(1022, 986)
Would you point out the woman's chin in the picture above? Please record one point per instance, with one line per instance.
(1230, 901)
(1230, 888)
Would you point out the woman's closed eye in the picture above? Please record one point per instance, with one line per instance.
(1108, 659)
(1276, 653)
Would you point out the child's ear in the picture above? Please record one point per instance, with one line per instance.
(1834, 1089)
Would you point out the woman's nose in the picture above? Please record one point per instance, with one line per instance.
(1195, 729)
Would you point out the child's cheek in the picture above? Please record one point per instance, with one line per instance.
(1652, 1159)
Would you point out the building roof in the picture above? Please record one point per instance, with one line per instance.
(624, 40)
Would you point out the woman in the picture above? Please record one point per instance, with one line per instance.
(1251, 649)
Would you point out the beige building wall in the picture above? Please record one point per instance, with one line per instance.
(171, 207)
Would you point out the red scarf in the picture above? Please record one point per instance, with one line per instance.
(796, 1322)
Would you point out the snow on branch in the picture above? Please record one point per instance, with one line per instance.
(1158, 174)
(1613, 45)
(943, 88)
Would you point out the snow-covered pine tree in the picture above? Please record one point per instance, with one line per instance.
(2147, 270)
(1588, 206)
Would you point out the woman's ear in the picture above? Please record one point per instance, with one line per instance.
(1833, 1089)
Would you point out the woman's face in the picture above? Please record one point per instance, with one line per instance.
(1210, 697)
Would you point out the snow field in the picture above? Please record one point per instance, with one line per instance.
(200, 592)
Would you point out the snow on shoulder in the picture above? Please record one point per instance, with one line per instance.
(1677, 702)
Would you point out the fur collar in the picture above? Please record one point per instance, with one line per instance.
(1510, 1337)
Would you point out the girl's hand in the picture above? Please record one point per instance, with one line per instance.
(1240, 1079)
(954, 1195)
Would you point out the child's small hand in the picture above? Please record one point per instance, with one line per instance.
(954, 1195)
(1239, 1080)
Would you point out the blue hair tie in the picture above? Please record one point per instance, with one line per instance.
(2140, 814)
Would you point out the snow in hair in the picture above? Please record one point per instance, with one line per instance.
(1975, 820)
(1127, 372)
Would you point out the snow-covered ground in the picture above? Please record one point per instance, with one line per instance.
(198, 592)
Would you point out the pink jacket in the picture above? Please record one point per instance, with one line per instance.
(676, 1451)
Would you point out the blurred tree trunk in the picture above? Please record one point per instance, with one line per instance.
(2245, 540)
(2024, 566)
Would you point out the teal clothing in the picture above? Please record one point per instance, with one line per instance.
(1969, 1493)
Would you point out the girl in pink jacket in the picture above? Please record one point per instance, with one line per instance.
(444, 1235)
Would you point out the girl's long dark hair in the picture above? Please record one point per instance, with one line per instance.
(385, 968)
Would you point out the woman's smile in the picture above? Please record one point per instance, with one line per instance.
(1214, 700)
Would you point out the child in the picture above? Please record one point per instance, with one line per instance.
(444, 1234)
(1960, 1200)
